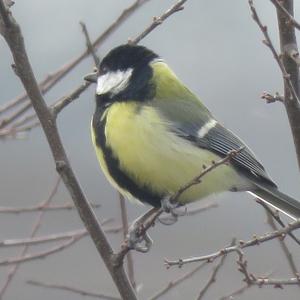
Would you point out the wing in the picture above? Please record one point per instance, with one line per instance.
(189, 121)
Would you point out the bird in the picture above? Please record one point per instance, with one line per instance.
(152, 135)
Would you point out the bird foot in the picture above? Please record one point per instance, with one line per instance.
(175, 209)
(137, 238)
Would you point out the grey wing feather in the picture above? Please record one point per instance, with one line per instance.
(220, 140)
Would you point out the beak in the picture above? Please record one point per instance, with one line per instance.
(92, 77)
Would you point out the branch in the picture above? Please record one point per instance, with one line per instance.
(173, 284)
(71, 289)
(283, 245)
(286, 13)
(212, 278)
(158, 21)
(48, 238)
(272, 98)
(130, 266)
(39, 207)
(14, 39)
(239, 291)
(89, 44)
(42, 254)
(251, 279)
(34, 230)
(60, 104)
(47, 83)
(236, 248)
(289, 69)
(275, 215)
(154, 213)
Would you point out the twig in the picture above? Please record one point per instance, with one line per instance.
(15, 115)
(154, 213)
(48, 238)
(272, 98)
(42, 254)
(213, 276)
(35, 229)
(89, 44)
(260, 281)
(287, 14)
(158, 21)
(236, 248)
(206, 170)
(71, 289)
(283, 245)
(130, 266)
(60, 104)
(42, 239)
(239, 291)
(173, 284)
(289, 70)
(39, 207)
(46, 84)
(277, 218)
(269, 44)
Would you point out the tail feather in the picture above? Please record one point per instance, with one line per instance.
(282, 202)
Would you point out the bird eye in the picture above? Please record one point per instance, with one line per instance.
(103, 70)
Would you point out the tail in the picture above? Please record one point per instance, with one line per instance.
(278, 200)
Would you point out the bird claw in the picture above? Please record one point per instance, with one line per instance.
(138, 239)
(168, 220)
(174, 209)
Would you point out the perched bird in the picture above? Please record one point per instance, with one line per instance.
(152, 135)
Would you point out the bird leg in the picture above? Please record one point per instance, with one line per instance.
(137, 237)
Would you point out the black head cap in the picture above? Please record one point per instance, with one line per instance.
(134, 58)
(127, 56)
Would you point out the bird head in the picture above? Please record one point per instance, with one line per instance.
(125, 74)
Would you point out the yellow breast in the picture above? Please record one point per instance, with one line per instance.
(155, 157)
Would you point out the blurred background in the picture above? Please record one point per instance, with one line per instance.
(216, 49)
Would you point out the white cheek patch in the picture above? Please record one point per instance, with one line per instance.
(113, 82)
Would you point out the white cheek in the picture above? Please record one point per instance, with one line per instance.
(113, 82)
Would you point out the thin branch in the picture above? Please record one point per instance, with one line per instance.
(47, 83)
(269, 44)
(60, 104)
(260, 281)
(236, 248)
(154, 213)
(43, 239)
(213, 276)
(42, 254)
(71, 289)
(55, 237)
(239, 291)
(6, 121)
(205, 171)
(272, 98)
(283, 245)
(34, 230)
(275, 215)
(288, 67)
(89, 44)
(39, 207)
(130, 266)
(173, 284)
(158, 21)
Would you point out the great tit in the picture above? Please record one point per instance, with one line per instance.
(152, 135)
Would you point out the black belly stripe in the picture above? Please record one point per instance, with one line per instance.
(143, 194)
